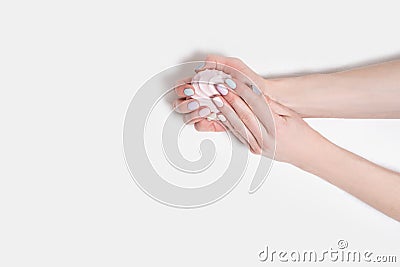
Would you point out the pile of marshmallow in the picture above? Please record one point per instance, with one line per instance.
(204, 83)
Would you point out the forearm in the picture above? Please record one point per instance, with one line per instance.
(375, 185)
(369, 92)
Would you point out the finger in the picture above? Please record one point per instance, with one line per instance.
(253, 98)
(230, 65)
(209, 126)
(185, 105)
(228, 126)
(183, 88)
(244, 113)
(239, 126)
(196, 115)
(183, 81)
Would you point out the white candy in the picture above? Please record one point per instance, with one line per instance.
(204, 83)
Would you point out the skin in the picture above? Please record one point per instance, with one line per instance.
(277, 115)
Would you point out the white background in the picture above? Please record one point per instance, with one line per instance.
(67, 74)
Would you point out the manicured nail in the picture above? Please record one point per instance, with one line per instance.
(230, 83)
(255, 89)
(200, 66)
(222, 89)
(218, 102)
(193, 105)
(188, 91)
(221, 117)
(204, 112)
(213, 116)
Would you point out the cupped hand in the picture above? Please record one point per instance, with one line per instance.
(190, 107)
(267, 127)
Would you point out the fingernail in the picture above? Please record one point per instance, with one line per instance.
(230, 83)
(255, 89)
(218, 102)
(193, 105)
(213, 116)
(204, 112)
(200, 66)
(221, 117)
(222, 89)
(188, 91)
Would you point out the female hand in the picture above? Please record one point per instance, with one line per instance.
(191, 108)
(264, 125)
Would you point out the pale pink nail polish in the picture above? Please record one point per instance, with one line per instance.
(218, 102)
(204, 112)
(222, 89)
(221, 117)
(193, 105)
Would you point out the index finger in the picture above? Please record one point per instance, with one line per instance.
(183, 88)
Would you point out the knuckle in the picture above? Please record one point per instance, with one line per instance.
(246, 117)
(230, 98)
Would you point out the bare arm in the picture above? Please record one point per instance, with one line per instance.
(368, 92)
(373, 184)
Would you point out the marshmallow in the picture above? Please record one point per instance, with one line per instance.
(204, 83)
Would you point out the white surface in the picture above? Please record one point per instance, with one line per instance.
(68, 73)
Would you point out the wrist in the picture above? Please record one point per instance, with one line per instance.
(298, 93)
(314, 148)
(322, 157)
